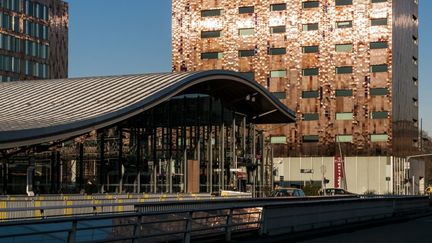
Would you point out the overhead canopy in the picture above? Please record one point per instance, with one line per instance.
(33, 112)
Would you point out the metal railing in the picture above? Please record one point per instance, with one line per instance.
(220, 219)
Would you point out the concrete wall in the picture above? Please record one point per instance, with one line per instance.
(379, 174)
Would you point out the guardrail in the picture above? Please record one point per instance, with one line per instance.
(221, 218)
(23, 207)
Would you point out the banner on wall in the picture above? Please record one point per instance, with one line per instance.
(338, 171)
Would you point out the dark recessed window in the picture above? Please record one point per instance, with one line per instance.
(279, 95)
(310, 94)
(246, 10)
(211, 34)
(310, 138)
(344, 92)
(278, 29)
(379, 115)
(344, 70)
(379, 68)
(344, 47)
(278, 7)
(310, 72)
(415, 39)
(309, 27)
(343, 24)
(378, 91)
(378, 45)
(311, 4)
(212, 55)
(415, 81)
(415, 60)
(248, 75)
(310, 49)
(378, 1)
(310, 117)
(378, 22)
(246, 53)
(343, 2)
(211, 13)
(277, 51)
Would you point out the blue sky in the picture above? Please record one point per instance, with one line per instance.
(108, 37)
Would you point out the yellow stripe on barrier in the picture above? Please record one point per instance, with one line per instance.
(120, 208)
(37, 212)
(69, 211)
(3, 215)
(141, 199)
(88, 197)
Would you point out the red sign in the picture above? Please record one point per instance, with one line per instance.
(338, 171)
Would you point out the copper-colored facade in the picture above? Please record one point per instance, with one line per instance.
(359, 59)
(34, 39)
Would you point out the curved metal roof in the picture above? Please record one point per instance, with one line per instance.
(33, 112)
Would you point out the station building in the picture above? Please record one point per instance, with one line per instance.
(159, 133)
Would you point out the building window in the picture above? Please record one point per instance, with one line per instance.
(415, 39)
(278, 74)
(378, 22)
(378, 137)
(246, 10)
(278, 7)
(211, 34)
(415, 60)
(246, 53)
(344, 47)
(248, 75)
(277, 51)
(310, 138)
(343, 2)
(310, 117)
(378, 45)
(279, 95)
(211, 55)
(378, 1)
(344, 138)
(246, 31)
(211, 13)
(310, 27)
(415, 81)
(379, 115)
(278, 29)
(344, 93)
(310, 49)
(378, 91)
(310, 72)
(414, 18)
(379, 68)
(344, 70)
(311, 4)
(341, 116)
(415, 102)
(278, 140)
(310, 94)
(344, 24)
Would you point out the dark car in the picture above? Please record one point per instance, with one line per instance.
(288, 192)
(334, 192)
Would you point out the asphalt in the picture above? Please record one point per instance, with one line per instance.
(416, 231)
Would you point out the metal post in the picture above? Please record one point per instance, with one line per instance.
(228, 227)
(72, 232)
(81, 166)
(187, 234)
(255, 175)
(102, 161)
(222, 158)
(52, 173)
(120, 160)
(137, 227)
(5, 175)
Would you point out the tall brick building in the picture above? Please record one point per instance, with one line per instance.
(347, 67)
(33, 39)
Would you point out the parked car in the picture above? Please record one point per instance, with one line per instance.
(334, 192)
(288, 192)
